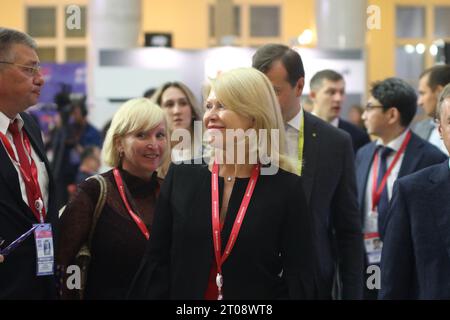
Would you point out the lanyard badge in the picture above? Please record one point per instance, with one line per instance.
(220, 259)
(44, 248)
(373, 245)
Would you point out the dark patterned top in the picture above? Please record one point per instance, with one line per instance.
(117, 244)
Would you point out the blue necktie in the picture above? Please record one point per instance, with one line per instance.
(383, 204)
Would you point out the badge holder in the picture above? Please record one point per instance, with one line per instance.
(373, 246)
(44, 249)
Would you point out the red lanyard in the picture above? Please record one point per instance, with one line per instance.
(34, 193)
(134, 216)
(376, 192)
(220, 259)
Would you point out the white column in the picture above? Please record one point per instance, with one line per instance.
(112, 24)
(341, 24)
(224, 21)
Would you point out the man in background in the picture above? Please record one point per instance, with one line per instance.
(431, 83)
(327, 168)
(397, 152)
(327, 91)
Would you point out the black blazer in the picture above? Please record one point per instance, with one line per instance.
(330, 188)
(359, 136)
(18, 278)
(419, 154)
(275, 237)
(415, 261)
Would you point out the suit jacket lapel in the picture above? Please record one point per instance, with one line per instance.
(439, 204)
(363, 172)
(311, 147)
(9, 174)
(413, 154)
(11, 180)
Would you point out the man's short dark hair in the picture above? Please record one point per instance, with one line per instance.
(328, 74)
(438, 76)
(397, 93)
(291, 60)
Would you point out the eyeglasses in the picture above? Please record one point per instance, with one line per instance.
(369, 107)
(29, 70)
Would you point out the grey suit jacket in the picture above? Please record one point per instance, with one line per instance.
(423, 128)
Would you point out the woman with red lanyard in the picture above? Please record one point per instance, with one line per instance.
(236, 227)
(135, 146)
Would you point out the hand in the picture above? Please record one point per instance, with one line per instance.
(1, 258)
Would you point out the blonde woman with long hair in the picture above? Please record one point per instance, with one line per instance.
(237, 227)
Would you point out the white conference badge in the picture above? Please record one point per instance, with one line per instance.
(44, 249)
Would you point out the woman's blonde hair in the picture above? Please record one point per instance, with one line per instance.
(134, 115)
(249, 93)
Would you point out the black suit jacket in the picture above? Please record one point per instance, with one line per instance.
(415, 261)
(275, 236)
(18, 278)
(359, 136)
(419, 154)
(330, 188)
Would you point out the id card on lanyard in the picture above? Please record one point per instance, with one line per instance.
(372, 241)
(44, 249)
(216, 230)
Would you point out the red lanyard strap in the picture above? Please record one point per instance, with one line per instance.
(141, 225)
(376, 192)
(34, 194)
(220, 259)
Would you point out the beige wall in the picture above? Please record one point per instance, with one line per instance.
(12, 14)
(381, 43)
(187, 20)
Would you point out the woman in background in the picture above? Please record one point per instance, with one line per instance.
(182, 109)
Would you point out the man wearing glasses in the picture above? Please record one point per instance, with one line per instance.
(397, 152)
(26, 188)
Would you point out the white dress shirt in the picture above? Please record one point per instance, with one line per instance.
(40, 165)
(292, 128)
(395, 145)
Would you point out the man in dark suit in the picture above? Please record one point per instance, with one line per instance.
(431, 83)
(415, 259)
(398, 152)
(23, 201)
(328, 93)
(328, 176)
